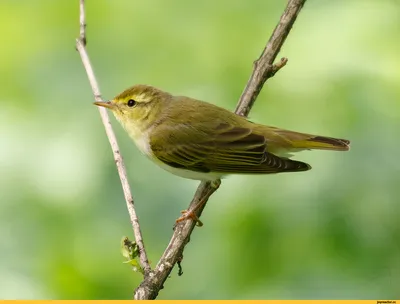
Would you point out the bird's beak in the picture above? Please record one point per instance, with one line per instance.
(106, 104)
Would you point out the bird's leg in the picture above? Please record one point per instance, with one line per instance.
(191, 212)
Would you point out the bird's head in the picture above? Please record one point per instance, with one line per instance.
(139, 105)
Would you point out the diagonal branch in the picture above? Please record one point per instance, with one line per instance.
(80, 46)
(263, 69)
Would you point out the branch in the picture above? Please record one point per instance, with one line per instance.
(263, 70)
(80, 46)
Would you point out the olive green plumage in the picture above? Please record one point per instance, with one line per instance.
(199, 140)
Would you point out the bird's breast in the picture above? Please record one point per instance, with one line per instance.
(141, 139)
(143, 144)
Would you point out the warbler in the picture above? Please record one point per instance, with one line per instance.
(198, 140)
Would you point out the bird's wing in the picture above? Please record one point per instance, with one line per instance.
(224, 148)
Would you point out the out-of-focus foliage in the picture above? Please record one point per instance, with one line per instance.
(332, 232)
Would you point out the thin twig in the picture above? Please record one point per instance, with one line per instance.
(263, 69)
(80, 46)
(82, 22)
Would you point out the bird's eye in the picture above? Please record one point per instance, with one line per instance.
(131, 102)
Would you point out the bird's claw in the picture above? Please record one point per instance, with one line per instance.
(188, 214)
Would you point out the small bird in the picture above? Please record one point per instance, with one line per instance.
(198, 140)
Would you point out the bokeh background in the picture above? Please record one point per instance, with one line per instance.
(332, 232)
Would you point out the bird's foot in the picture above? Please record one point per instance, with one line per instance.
(189, 214)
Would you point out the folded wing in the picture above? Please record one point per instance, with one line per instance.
(225, 149)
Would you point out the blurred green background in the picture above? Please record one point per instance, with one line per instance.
(332, 232)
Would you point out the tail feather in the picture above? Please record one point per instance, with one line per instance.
(323, 143)
(292, 141)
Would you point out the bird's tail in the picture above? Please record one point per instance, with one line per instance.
(294, 141)
(322, 143)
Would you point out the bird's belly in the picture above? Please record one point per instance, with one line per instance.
(203, 176)
(141, 140)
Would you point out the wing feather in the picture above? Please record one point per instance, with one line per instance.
(226, 149)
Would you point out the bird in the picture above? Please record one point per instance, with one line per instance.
(198, 140)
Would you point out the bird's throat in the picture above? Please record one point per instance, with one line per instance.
(139, 133)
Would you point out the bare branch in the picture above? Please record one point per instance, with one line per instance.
(263, 69)
(80, 46)
(82, 22)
